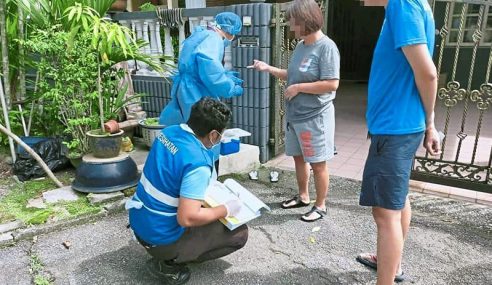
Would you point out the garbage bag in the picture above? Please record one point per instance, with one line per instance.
(53, 153)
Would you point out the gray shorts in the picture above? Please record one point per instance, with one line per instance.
(313, 139)
(387, 170)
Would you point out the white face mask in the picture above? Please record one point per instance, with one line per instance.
(217, 142)
(227, 42)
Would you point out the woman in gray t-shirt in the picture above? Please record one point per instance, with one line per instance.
(312, 80)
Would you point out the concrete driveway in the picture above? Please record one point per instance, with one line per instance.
(450, 243)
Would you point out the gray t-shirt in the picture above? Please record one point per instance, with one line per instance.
(311, 63)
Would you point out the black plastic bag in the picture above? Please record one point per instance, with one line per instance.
(53, 153)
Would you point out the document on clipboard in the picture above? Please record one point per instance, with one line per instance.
(251, 206)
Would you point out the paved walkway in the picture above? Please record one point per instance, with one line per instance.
(450, 243)
(353, 146)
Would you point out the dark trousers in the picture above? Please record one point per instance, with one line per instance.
(198, 244)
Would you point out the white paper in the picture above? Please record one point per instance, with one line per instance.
(220, 193)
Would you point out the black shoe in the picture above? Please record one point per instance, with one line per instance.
(170, 272)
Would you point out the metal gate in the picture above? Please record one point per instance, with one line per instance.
(463, 109)
(283, 45)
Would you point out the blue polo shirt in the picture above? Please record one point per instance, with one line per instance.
(394, 106)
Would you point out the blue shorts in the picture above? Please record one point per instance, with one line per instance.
(387, 170)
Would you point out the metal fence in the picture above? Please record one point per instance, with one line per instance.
(464, 61)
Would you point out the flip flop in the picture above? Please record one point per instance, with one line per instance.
(298, 203)
(253, 175)
(274, 176)
(370, 260)
(321, 213)
(401, 277)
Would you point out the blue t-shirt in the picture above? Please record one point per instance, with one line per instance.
(394, 106)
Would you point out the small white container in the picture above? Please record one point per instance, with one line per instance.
(149, 133)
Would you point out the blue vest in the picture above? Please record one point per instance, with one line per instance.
(153, 208)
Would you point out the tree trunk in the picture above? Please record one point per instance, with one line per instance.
(5, 63)
(5, 52)
(22, 71)
(33, 154)
(99, 92)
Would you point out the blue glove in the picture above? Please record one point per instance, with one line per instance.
(234, 76)
(237, 91)
(232, 73)
(237, 81)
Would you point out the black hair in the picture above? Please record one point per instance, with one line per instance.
(207, 115)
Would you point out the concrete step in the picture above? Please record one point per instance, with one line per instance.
(247, 159)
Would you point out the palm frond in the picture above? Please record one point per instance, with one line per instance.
(100, 6)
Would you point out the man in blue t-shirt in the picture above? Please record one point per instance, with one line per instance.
(400, 113)
(166, 212)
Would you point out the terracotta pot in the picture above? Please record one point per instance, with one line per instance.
(112, 127)
(119, 5)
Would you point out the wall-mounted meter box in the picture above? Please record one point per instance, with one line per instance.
(248, 41)
(247, 21)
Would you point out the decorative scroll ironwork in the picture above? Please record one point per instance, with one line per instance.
(478, 2)
(452, 94)
(472, 173)
(482, 97)
(283, 63)
(449, 169)
(458, 172)
(444, 32)
(279, 47)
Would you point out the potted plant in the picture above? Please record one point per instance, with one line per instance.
(75, 68)
(112, 43)
(67, 86)
(75, 153)
(64, 90)
(150, 130)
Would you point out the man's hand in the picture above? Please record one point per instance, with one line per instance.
(233, 207)
(431, 141)
(291, 91)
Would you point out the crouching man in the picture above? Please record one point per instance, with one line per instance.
(166, 212)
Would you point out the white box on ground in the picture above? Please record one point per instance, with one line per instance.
(247, 159)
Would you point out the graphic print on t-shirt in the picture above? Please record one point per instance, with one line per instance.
(306, 62)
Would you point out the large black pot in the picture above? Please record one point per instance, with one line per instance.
(105, 145)
(96, 175)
